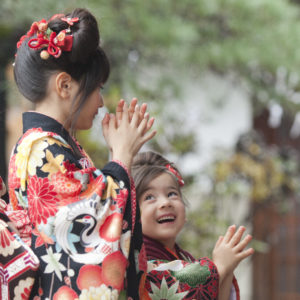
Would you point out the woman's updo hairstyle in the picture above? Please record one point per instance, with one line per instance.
(86, 63)
(147, 166)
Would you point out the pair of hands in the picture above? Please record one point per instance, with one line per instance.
(230, 250)
(127, 131)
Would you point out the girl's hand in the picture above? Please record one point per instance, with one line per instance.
(230, 250)
(126, 136)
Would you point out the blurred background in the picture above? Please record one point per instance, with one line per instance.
(222, 78)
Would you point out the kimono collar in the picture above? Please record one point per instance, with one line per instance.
(155, 250)
(34, 120)
(37, 120)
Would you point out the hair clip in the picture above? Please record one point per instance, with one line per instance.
(39, 27)
(176, 173)
(69, 20)
(56, 43)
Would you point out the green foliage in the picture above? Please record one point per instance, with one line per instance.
(258, 172)
(251, 38)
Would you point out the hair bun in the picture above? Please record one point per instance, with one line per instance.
(85, 34)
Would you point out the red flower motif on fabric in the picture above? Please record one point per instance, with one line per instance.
(113, 270)
(41, 239)
(67, 187)
(41, 199)
(89, 275)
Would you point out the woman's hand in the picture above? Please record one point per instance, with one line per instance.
(131, 110)
(126, 135)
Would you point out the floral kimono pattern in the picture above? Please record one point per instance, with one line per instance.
(179, 275)
(82, 219)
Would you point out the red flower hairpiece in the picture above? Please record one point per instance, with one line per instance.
(176, 173)
(55, 43)
(39, 27)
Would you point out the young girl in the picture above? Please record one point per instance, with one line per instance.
(79, 221)
(172, 272)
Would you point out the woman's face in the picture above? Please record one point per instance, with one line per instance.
(162, 210)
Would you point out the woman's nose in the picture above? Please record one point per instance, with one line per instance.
(101, 101)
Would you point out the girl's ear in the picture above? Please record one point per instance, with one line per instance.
(64, 85)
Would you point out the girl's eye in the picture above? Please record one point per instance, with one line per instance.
(173, 194)
(149, 197)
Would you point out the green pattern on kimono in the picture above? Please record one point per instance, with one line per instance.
(192, 274)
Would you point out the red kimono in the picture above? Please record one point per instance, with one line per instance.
(180, 276)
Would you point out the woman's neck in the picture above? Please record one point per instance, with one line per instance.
(52, 111)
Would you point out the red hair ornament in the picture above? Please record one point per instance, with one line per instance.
(46, 38)
(177, 174)
(69, 20)
(56, 43)
(39, 27)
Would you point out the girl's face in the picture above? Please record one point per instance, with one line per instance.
(162, 210)
(89, 110)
